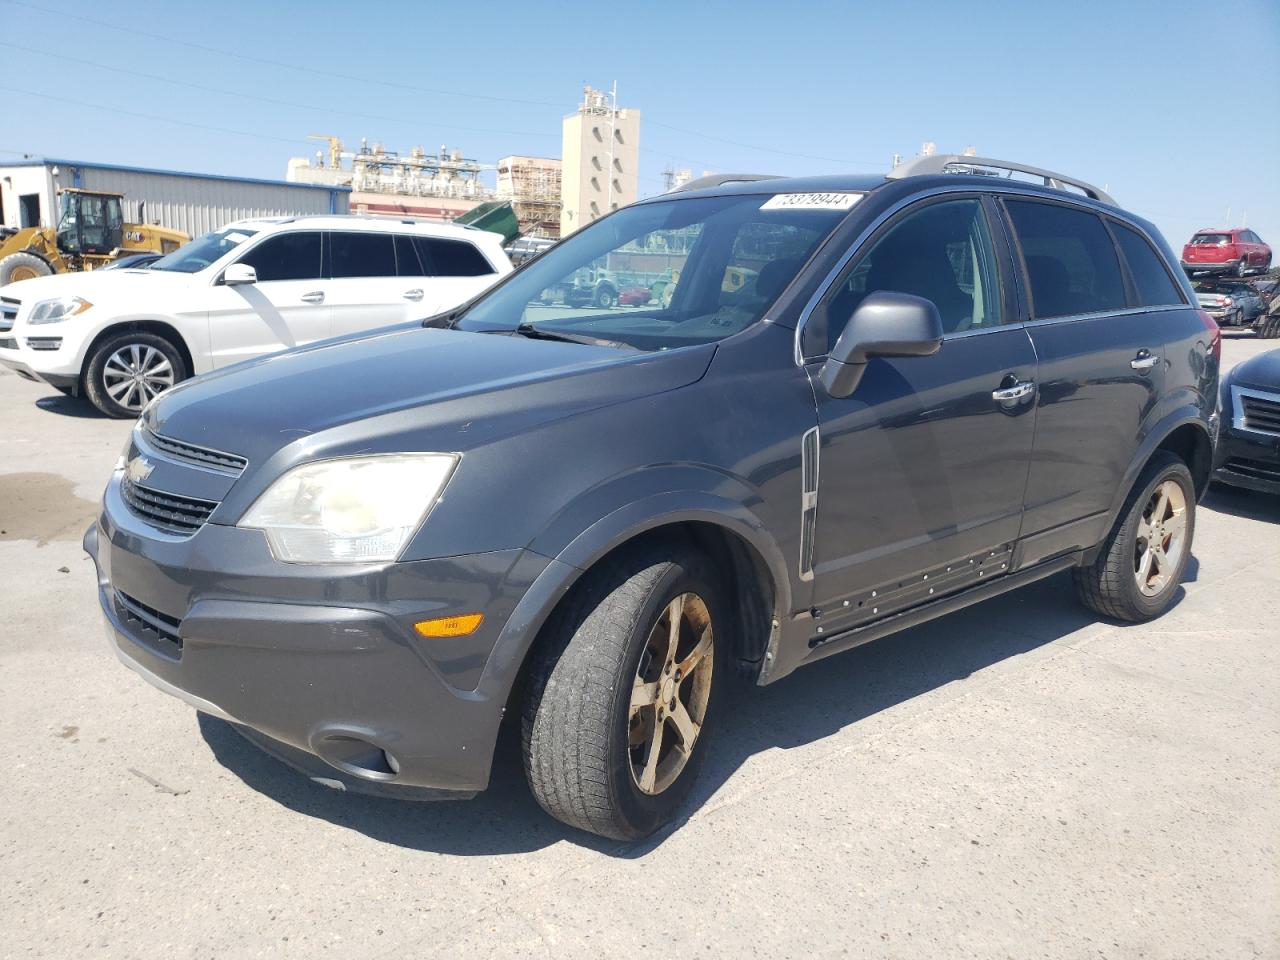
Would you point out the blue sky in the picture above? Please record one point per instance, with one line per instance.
(1170, 104)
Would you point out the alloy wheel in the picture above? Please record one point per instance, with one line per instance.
(136, 374)
(670, 693)
(1162, 538)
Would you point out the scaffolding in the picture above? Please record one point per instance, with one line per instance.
(532, 184)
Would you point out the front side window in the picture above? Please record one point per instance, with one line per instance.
(664, 274)
(1071, 262)
(201, 252)
(286, 256)
(940, 251)
(1151, 281)
(361, 255)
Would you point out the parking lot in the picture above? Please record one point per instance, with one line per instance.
(1020, 779)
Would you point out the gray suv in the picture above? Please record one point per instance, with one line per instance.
(867, 402)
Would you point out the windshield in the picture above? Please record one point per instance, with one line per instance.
(202, 251)
(665, 274)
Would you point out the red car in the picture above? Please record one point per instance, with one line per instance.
(1233, 251)
(634, 296)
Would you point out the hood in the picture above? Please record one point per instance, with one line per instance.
(95, 285)
(409, 388)
(1262, 372)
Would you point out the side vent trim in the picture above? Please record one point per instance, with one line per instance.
(809, 447)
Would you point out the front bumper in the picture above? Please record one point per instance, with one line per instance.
(1245, 458)
(318, 665)
(14, 360)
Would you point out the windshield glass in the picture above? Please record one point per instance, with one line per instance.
(666, 274)
(202, 251)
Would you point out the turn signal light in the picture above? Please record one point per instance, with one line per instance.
(444, 627)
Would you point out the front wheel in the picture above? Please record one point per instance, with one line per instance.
(1141, 562)
(622, 693)
(1242, 267)
(127, 371)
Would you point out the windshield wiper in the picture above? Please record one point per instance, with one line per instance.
(533, 332)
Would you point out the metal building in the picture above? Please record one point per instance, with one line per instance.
(192, 202)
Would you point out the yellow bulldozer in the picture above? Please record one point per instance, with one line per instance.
(91, 233)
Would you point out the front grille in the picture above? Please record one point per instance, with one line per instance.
(149, 625)
(8, 312)
(200, 456)
(1257, 469)
(1261, 413)
(167, 511)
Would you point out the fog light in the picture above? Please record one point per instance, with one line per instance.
(444, 627)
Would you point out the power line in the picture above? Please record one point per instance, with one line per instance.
(250, 96)
(392, 84)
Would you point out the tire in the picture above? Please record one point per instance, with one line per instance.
(1242, 268)
(1268, 327)
(112, 362)
(1110, 585)
(22, 266)
(1237, 319)
(586, 748)
(606, 297)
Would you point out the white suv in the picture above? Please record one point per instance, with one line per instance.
(256, 286)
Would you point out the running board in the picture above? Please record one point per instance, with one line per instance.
(823, 645)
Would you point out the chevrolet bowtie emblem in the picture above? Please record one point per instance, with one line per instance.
(139, 469)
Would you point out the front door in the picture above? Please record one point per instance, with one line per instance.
(286, 307)
(921, 472)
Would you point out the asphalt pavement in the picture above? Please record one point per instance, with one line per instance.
(1018, 780)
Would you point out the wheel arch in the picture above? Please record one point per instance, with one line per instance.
(157, 327)
(1184, 434)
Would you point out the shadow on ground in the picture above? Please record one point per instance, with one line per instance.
(810, 705)
(67, 406)
(1247, 504)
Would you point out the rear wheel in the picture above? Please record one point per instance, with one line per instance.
(621, 696)
(1268, 326)
(1242, 267)
(1140, 566)
(126, 371)
(22, 266)
(606, 297)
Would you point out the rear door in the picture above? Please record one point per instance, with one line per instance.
(454, 270)
(1101, 365)
(284, 308)
(921, 472)
(363, 287)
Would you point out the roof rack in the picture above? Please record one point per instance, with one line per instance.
(719, 179)
(944, 162)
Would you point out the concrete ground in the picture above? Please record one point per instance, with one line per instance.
(1020, 780)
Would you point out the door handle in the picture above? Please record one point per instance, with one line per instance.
(1023, 388)
(1144, 361)
(315, 296)
(414, 295)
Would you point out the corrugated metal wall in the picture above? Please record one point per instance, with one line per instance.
(197, 205)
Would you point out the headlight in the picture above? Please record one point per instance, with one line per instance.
(357, 510)
(63, 308)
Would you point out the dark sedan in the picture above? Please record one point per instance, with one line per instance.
(1248, 449)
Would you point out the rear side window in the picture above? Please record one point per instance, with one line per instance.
(451, 258)
(1154, 286)
(1071, 262)
(286, 256)
(361, 255)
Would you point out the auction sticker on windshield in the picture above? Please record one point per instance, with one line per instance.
(811, 201)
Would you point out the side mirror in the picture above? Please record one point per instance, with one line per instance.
(886, 324)
(239, 273)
